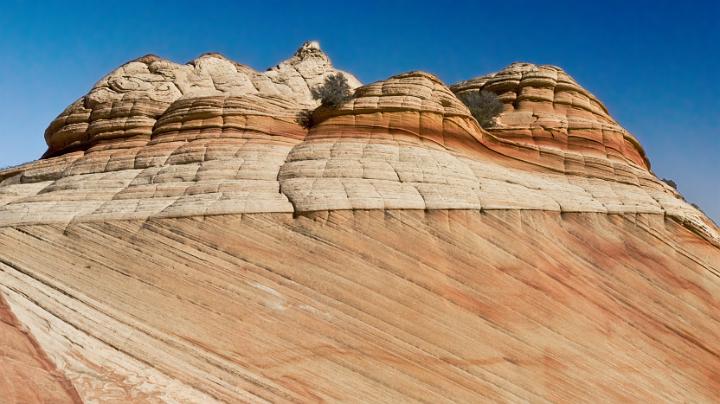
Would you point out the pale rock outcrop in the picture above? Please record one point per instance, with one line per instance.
(307, 69)
(190, 238)
(122, 108)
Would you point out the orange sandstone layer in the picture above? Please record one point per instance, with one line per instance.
(26, 373)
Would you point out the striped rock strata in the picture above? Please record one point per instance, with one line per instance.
(26, 373)
(403, 143)
(187, 240)
(546, 109)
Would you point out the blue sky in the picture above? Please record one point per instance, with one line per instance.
(655, 64)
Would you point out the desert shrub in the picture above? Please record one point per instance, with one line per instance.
(670, 182)
(334, 91)
(696, 206)
(304, 118)
(484, 105)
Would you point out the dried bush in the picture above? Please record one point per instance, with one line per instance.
(334, 91)
(484, 105)
(304, 118)
(670, 182)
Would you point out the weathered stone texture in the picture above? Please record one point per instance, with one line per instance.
(190, 237)
(402, 143)
(373, 305)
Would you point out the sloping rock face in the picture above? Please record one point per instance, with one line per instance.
(186, 239)
(373, 305)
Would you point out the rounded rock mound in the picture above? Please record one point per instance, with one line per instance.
(413, 107)
(121, 110)
(545, 107)
(397, 143)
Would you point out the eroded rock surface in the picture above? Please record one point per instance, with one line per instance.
(189, 238)
(122, 108)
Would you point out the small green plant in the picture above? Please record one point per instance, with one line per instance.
(334, 91)
(484, 105)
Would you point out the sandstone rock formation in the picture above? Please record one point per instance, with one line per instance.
(122, 108)
(186, 239)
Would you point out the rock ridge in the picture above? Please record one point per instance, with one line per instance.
(159, 139)
(122, 108)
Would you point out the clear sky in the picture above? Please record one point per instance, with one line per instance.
(655, 64)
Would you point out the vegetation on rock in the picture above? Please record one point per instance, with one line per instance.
(484, 105)
(304, 118)
(334, 91)
(670, 182)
